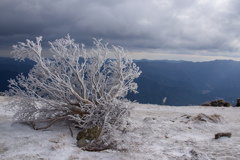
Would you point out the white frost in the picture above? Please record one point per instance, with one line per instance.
(157, 132)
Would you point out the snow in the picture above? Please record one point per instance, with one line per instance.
(157, 132)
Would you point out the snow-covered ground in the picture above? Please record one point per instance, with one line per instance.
(157, 132)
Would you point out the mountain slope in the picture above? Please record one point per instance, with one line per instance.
(182, 82)
(9, 68)
(185, 83)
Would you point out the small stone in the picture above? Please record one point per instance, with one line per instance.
(219, 135)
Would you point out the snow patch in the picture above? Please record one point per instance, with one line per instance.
(157, 132)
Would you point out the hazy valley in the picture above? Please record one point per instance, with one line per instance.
(182, 82)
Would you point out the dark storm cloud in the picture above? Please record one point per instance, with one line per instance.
(179, 25)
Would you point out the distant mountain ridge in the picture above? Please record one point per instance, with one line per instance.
(182, 82)
(187, 83)
(9, 68)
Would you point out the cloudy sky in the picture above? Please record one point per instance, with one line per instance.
(155, 29)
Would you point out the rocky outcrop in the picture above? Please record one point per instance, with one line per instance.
(214, 118)
(238, 102)
(217, 103)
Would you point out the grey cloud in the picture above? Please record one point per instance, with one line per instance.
(134, 24)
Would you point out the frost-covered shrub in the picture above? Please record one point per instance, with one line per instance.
(84, 86)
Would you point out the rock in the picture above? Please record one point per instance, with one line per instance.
(82, 143)
(217, 103)
(201, 117)
(214, 118)
(87, 135)
(219, 135)
(227, 104)
(2, 94)
(3, 148)
(206, 104)
(238, 102)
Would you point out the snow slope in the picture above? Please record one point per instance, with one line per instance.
(157, 132)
